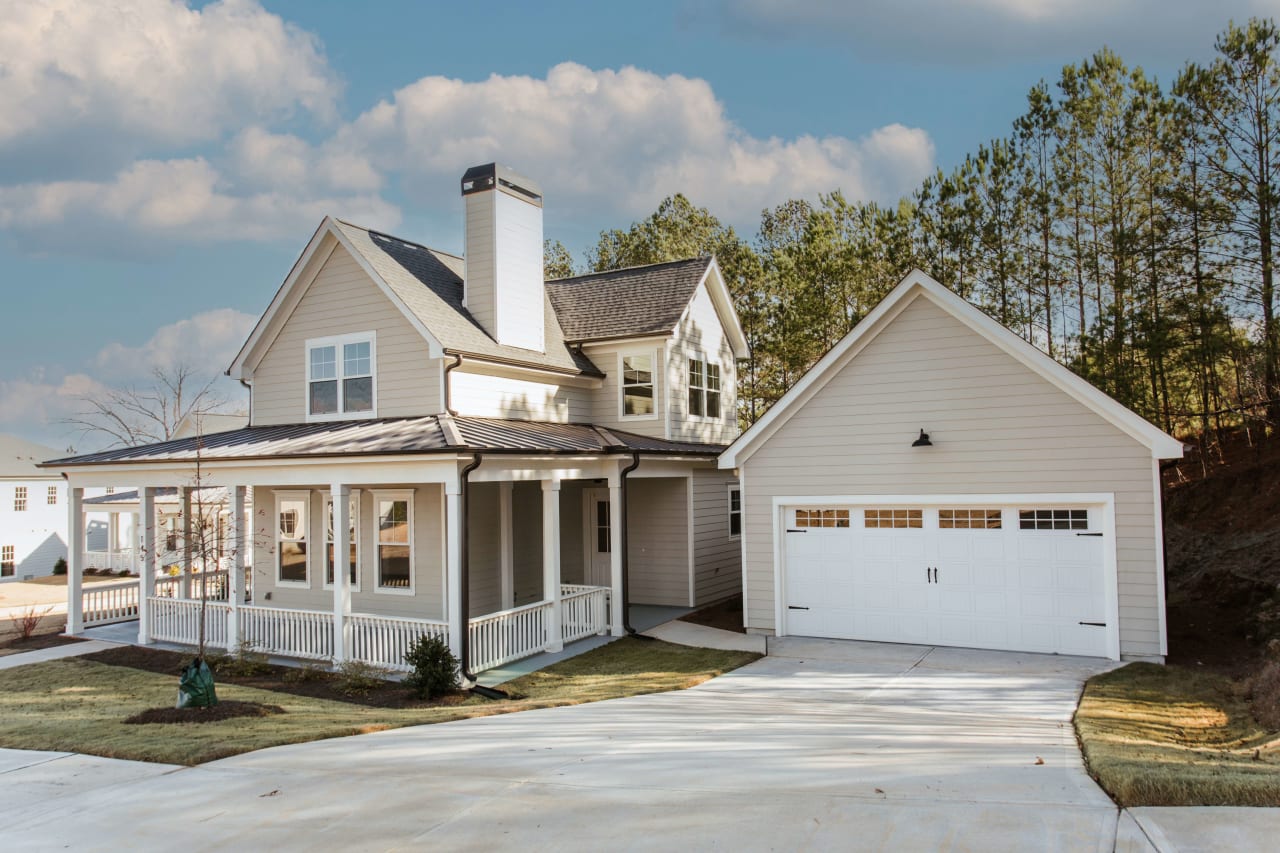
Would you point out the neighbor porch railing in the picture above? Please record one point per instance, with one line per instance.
(213, 583)
(116, 561)
(107, 603)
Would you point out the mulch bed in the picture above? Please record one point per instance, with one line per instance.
(222, 711)
(281, 679)
(17, 645)
(725, 615)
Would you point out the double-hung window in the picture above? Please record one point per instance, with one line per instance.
(340, 377)
(291, 539)
(735, 512)
(353, 541)
(20, 499)
(637, 384)
(395, 541)
(704, 388)
(52, 497)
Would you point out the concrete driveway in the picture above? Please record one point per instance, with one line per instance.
(822, 745)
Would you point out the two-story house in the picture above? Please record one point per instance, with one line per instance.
(33, 512)
(505, 461)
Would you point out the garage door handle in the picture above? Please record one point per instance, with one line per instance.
(801, 530)
(1095, 624)
(1088, 534)
(796, 607)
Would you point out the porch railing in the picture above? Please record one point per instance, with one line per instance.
(384, 640)
(293, 633)
(177, 620)
(584, 610)
(509, 635)
(116, 561)
(107, 603)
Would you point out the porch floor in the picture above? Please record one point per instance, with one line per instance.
(643, 617)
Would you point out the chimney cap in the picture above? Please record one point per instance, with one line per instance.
(496, 176)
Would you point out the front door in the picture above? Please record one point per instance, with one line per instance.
(597, 536)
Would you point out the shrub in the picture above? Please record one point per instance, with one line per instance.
(308, 672)
(26, 622)
(90, 571)
(356, 678)
(60, 567)
(245, 663)
(435, 669)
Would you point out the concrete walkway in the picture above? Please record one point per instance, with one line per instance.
(822, 745)
(70, 650)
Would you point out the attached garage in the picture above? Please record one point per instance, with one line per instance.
(935, 479)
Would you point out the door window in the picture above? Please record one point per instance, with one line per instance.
(603, 532)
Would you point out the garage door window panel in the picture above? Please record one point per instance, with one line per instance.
(1053, 519)
(822, 518)
(893, 518)
(969, 519)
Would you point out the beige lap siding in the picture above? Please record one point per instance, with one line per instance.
(605, 401)
(572, 528)
(427, 602)
(717, 558)
(658, 541)
(526, 522)
(485, 556)
(700, 336)
(996, 428)
(344, 300)
(494, 396)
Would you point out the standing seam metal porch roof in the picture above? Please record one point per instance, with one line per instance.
(395, 436)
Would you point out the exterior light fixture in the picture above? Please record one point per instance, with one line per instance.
(923, 440)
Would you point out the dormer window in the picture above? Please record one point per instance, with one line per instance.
(637, 387)
(704, 389)
(340, 383)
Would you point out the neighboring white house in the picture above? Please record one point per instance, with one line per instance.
(33, 511)
(935, 479)
(507, 462)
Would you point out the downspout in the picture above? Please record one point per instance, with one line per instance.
(626, 561)
(448, 395)
(464, 582)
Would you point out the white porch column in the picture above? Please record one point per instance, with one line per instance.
(113, 539)
(235, 569)
(551, 561)
(340, 494)
(75, 560)
(458, 621)
(185, 583)
(135, 538)
(506, 546)
(149, 551)
(616, 619)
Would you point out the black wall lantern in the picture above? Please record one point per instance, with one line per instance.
(923, 440)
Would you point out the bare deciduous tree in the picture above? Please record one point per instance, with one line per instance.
(133, 415)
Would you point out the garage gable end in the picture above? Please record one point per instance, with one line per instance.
(963, 316)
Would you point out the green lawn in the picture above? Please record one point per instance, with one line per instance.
(77, 705)
(1170, 736)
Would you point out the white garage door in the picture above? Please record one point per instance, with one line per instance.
(1023, 578)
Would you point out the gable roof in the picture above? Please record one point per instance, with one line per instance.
(426, 286)
(917, 283)
(19, 458)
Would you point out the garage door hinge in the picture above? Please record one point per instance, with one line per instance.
(793, 530)
(1088, 534)
(796, 607)
(1095, 624)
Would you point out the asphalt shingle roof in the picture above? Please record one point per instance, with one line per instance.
(429, 282)
(644, 300)
(392, 436)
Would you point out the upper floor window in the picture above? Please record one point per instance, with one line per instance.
(52, 498)
(20, 499)
(340, 377)
(704, 389)
(637, 385)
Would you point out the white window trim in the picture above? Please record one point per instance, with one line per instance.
(305, 523)
(729, 521)
(654, 373)
(378, 588)
(337, 341)
(701, 357)
(328, 501)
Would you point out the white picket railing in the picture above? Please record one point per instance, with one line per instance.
(107, 603)
(293, 633)
(214, 582)
(177, 620)
(584, 611)
(116, 561)
(509, 635)
(384, 640)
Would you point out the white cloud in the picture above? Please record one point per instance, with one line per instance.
(35, 405)
(173, 200)
(209, 340)
(974, 32)
(613, 142)
(111, 81)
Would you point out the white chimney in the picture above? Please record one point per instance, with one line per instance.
(503, 286)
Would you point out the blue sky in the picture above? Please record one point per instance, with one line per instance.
(162, 164)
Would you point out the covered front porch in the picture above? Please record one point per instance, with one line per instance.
(529, 548)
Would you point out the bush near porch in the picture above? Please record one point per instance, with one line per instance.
(79, 705)
(1172, 736)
